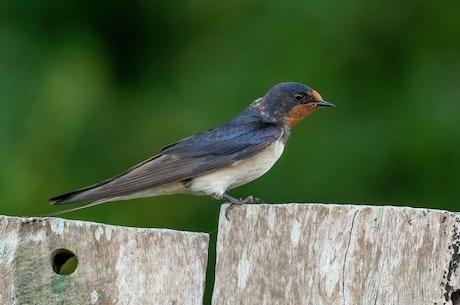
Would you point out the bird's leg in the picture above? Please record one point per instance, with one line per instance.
(234, 202)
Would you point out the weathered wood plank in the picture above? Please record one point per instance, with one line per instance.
(337, 254)
(116, 265)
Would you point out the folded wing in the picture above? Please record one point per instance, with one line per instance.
(183, 160)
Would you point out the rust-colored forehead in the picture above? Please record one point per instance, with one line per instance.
(300, 111)
(315, 95)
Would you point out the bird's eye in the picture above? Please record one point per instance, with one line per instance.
(299, 96)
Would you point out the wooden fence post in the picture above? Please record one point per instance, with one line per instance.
(266, 254)
(337, 254)
(114, 265)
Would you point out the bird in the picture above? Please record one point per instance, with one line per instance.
(214, 161)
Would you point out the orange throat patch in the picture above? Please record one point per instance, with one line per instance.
(298, 113)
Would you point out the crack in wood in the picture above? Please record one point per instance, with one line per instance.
(346, 254)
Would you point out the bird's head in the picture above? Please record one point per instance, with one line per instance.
(289, 103)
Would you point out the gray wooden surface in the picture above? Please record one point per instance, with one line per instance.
(266, 254)
(337, 254)
(116, 265)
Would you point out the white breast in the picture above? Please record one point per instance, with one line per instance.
(239, 173)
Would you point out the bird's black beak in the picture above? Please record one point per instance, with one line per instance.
(323, 104)
(318, 100)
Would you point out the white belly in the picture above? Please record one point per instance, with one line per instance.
(239, 173)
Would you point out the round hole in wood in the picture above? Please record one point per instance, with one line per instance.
(64, 261)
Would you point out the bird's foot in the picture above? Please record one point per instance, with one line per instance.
(238, 202)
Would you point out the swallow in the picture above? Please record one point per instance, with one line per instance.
(214, 161)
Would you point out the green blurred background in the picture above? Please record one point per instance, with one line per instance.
(89, 88)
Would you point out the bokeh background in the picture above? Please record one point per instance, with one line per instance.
(90, 88)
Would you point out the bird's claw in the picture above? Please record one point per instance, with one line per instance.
(238, 202)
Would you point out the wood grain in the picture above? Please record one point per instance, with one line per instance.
(336, 254)
(116, 265)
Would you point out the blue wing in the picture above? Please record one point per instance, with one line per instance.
(185, 159)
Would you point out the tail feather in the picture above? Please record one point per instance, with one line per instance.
(81, 195)
(64, 199)
(135, 179)
(91, 204)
